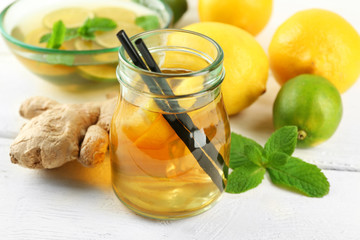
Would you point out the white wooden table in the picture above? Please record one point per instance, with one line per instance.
(77, 203)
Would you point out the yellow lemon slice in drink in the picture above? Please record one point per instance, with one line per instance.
(156, 135)
(84, 45)
(71, 17)
(116, 14)
(145, 126)
(108, 39)
(33, 38)
(105, 72)
(138, 122)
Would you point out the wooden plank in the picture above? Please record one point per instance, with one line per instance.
(74, 202)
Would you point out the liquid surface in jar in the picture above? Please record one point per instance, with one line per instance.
(175, 71)
(153, 171)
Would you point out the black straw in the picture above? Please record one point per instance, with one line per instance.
(130, 49)
(198, 144)
(140, 44)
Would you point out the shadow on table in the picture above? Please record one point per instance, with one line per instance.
(255, 121)
(75, 175)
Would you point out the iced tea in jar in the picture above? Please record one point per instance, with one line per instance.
(168, 148)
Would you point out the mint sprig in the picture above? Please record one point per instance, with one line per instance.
(57, 36)
(250, 161)
(70, 33)
(283, 140)
(91, 25)
(304, 177)
(246, 177)
(87, 31)
(237, 153)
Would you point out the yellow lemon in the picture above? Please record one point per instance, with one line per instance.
(246, 64)
(316, 41)
(71, 17)
(247, 14)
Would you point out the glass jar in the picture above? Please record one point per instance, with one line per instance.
(168, 148)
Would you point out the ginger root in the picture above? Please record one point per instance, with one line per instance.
(60, 133)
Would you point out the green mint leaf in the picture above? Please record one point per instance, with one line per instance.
(277, 159)
(282, 140)
(45, 38)
(87, 35)
(91, 25)
(244, 178)
(99, 24)
(299, 175)
(148, 22)
(71, 33)
(57, 35)
(86, 31)
(237, 149)
(253, 154)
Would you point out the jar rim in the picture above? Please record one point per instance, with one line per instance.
(213, 65)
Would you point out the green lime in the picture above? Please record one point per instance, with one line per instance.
(311, 103)
(179, 7)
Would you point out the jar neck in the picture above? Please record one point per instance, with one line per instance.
(191, 70)
(169, 104)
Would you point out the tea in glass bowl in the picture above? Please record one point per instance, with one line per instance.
(71, 43)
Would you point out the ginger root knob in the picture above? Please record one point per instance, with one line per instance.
(58, 133)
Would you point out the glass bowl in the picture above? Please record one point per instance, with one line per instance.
(88, 63)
